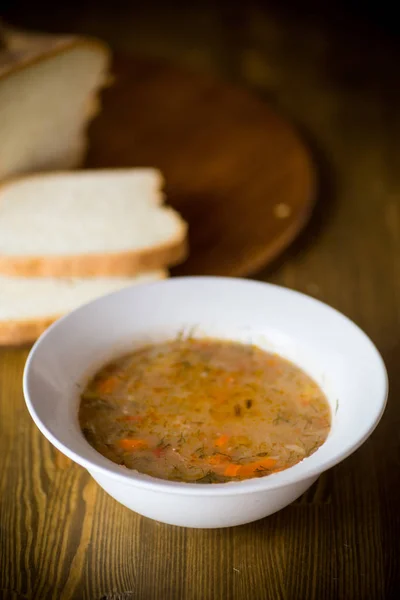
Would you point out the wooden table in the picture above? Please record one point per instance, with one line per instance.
(61, 536)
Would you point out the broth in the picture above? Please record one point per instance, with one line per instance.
(205, 411)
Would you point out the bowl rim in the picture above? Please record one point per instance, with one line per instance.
(280, 480)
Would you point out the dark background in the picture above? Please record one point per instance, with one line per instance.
(357, 15)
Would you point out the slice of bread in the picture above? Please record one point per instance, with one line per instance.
(48, 94)
(28, 305)
(88, 223)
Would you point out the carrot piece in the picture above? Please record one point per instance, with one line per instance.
(247, 470)
(108, 385)
(232, 470)
(158, 452)
(221, 441)
(267, 463)
(131, 444)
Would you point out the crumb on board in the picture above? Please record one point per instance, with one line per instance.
(282, 210)
(313, 289)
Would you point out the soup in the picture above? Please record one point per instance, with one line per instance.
(205, 411)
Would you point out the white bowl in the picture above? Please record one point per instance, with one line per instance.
(334, 351)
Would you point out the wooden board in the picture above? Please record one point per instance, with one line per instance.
(236, 171)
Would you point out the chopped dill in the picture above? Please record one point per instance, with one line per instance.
(209, 477)
(237, 409)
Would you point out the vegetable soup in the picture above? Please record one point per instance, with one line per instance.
(204, 411)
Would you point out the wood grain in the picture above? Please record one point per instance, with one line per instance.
(235, 170)
(61, 536)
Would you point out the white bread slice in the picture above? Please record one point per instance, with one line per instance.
(48, 94)
(28, 305)
(88, 223)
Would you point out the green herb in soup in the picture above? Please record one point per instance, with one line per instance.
(205, 411)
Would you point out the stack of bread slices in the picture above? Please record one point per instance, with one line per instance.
(67, 237)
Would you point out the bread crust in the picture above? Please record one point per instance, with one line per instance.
(98, 265)
(16, 60)
(123, 263)
(27, 331)
(18, 333)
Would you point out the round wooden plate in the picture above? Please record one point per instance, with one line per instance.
(235, 170)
